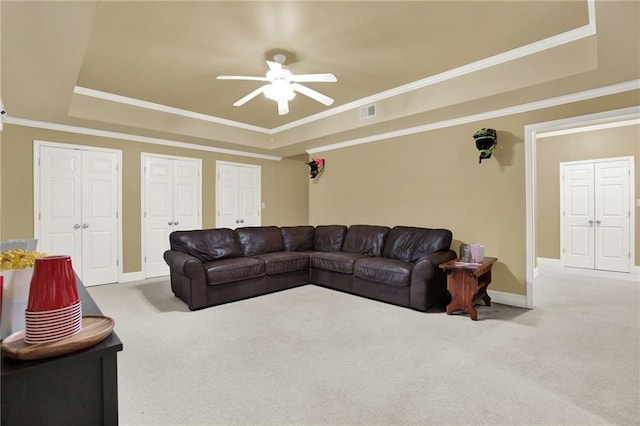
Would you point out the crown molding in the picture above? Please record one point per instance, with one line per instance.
(164, 108)
(582, 129)
(517, 109)
(546, 103)
(134, 138)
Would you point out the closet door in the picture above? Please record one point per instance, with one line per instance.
(99, 217)
(612, 213)
(238, 195)
(60, 193)
(172, 199)
(596, 215)
(578, 238)
(158, 214)
(78, 210)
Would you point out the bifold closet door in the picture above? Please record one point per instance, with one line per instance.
(172, 202)
(78, 201)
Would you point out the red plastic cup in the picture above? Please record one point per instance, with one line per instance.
(53, 285)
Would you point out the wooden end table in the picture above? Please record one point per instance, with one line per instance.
(467, 284)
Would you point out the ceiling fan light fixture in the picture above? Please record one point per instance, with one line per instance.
(279, 90)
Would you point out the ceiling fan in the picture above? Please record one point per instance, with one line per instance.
(283, 85)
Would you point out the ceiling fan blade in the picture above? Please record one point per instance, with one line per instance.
(274, 66)
(250, 96)
(241, 77)
(325, 100)
(283, 107)
(325, 77)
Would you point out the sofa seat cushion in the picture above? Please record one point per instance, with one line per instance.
(236, 269)
(380, 269)
(278, 263)
(334, 261)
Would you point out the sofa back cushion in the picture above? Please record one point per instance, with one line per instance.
(297, 238)
(410, 243)
(365, 239)
(207, 245)
(329, 237)
(260, 239)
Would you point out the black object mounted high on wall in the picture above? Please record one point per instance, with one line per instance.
(316, 166)
(486, 140)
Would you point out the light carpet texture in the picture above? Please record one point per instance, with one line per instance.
(311, 356)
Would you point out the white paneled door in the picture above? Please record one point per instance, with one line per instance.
(172, 199)
(596, 214)
(238, 195)
(78, 210)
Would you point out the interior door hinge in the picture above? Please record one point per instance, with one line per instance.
(563, 250)
(117, 262)
(145, 215)
(39, 216)
(116, 215)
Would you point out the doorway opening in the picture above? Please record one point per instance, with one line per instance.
(609, 119)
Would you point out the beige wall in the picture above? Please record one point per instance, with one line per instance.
(284, 185)
(615, 142)
(429, 179)
(433, 179)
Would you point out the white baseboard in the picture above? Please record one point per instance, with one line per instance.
(554, 264)
(517, 300)
(545, 261)
(131, 276)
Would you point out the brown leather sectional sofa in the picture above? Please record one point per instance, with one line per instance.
(396, 265)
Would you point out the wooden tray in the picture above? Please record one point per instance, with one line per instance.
(94, 330)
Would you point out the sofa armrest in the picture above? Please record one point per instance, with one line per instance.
(188, 278)
(439, 257)
(184, 264)
(428, 282)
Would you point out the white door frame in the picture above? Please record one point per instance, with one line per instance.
(143, 199)
(631, 177)
(36, 189)
(615, 118)
(218, 192)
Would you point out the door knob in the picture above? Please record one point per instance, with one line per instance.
(170, 223)
(85, 225)
(590, 223)
(76, 226)
(176, 223)
(237, 221)
(241, 220)
(598, 222)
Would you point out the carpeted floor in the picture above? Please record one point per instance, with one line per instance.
(311, 356)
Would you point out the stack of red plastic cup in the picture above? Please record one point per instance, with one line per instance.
(54, 311)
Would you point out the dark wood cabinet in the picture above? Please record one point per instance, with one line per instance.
(79, 388)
